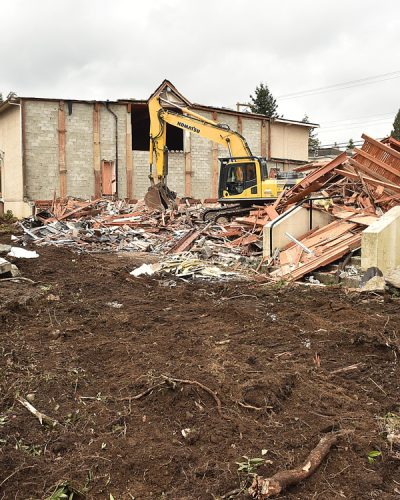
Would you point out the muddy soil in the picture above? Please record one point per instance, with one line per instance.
(88, 338)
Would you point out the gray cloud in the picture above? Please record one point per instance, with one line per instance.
(215, 52)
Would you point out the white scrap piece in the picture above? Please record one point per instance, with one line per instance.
(21, 253)
(144, 269)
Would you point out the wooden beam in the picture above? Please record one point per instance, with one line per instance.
(369, 180)
(215, 168)
(96, 150)
(395, 171)
(129, 152)
(61, 150)
(369, 171)
(381, 146)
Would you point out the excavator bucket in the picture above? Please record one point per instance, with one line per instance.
(160, 197)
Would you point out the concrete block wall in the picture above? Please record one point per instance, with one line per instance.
(251, 130)
(107, 141)
(201, 158)
(41, 149)
(79, 150)
(232, 122)
(140, 173)
(176, 177)
(176, 172)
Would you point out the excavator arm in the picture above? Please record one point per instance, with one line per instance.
(169, 108)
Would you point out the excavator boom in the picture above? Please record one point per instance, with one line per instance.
(169, 107)
(244, 179)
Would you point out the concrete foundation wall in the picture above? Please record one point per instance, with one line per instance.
(296, 224)
(380, 244)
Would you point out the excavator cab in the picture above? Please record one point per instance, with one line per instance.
(240, 179)
(248, 180)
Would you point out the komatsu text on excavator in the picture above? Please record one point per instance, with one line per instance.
(244, 179)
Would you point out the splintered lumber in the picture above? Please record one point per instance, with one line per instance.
(244, 240)
(271, 212)
(185, 242)
(364, 219)
(262, 488)
(369, 180)
(326, 258)
(75, 210)
(326, 245)
(313, 181)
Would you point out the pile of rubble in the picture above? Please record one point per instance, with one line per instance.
(354, 191)
(103, 225)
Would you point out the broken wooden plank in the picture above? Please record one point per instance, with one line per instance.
(184, 243)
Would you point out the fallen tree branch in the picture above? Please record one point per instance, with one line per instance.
(199, 384)
(144, 393)
(19, 469)
(19, 278)
(262, 488)
(41, 416)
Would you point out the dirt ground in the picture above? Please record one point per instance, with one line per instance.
(87, 338)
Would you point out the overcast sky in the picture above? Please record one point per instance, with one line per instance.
(215, 52)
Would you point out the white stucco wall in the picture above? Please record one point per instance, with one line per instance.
(289, 141)
(12, 178)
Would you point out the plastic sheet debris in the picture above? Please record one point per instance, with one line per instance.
(184, 267)
(144, 269)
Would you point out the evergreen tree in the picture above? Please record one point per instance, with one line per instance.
(396, 127)
(263, 102)
(313, 141)
(350, 145)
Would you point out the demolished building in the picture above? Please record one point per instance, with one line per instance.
(89, 149)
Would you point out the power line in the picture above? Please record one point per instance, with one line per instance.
(359, 117)
(341, 144)
(357, 124)
(344, 85)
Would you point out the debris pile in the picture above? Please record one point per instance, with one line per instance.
(181, 237)
(355, 191)
(184, 266)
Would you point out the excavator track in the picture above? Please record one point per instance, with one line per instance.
(224, 215)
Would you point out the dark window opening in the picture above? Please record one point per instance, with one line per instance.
(140, 121)
(240, 177)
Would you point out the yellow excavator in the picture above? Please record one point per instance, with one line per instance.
(244, 179)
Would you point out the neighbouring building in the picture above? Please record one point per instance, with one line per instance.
(90, 149)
